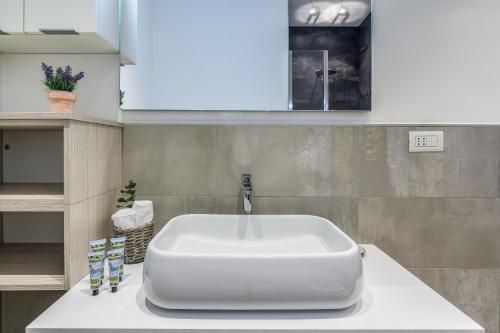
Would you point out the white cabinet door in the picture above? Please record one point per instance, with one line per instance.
(128, 35)
(11, 16)
(60, 16)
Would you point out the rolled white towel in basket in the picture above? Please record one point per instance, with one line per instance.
(125, 218)
(144, 210)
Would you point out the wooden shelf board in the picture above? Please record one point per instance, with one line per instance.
(32, 267)
(31, 208)
(47, 119)
(31, 282)
(31, 197)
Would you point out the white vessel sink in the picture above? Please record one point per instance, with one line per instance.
(257, 262)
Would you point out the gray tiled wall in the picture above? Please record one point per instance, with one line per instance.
(436, 213)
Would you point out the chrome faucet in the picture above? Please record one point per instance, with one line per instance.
(246, 182)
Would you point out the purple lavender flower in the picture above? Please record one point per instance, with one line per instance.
(78, 77)
(47, 71)
(67, 72)
(63, 79)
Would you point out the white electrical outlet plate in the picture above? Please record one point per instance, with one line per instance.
(426, 141)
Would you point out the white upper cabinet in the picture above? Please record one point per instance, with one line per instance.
(63, 26)
(81, 16)
(128, 33)
(11, 16)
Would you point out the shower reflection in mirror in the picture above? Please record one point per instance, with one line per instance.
(330, 55)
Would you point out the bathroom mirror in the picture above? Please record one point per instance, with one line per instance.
(257, 55)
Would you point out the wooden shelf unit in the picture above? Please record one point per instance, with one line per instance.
(92, 160)
(31, 197)
(32, 267)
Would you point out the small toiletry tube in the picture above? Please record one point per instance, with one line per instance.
(116, 244)
(95, 277)
(114, 273)
(118, 255)
(96, 267)
(96, 257)
(98, 245)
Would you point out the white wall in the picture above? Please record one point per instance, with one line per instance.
(33, 227)
(137, 80)
(434, 61)
(215, 55)
(21, 89)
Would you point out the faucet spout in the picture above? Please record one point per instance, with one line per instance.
(246, 181)
(247, 205)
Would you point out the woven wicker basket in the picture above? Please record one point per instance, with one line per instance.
(137, 241)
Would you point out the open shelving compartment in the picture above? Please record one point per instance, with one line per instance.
(60, 175)
(32, 209)
(31, 267)
(59, 180)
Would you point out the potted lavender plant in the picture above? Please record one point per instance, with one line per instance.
(61, 86)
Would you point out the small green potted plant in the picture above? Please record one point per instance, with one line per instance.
(60, 87)
(128, 195)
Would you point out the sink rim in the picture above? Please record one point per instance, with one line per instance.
(353, 249)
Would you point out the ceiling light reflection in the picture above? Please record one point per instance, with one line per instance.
(354, 12)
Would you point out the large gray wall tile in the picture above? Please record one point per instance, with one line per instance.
(341, 211)
(168, 207)
(345, 161)
(474, 291)
(427, 210)
(286, 161)
(170, 160)
(433, 232)
(468, 167)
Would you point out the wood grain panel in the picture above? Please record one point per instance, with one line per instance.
(31, 267)
(76, 263)
(31, 282)
(103, 215)
(104, 158)
(26, 117)
(77, 161)
(92, 175)
(92, 160)
(31, 208)
(117, 155)
(31, 195)
(93, 172)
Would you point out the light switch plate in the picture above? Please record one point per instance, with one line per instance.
(426, 141)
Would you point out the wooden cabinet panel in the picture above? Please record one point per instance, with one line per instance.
(92, 178)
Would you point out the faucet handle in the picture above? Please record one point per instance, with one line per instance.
(246, 180)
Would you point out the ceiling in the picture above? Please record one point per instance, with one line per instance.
(327, 13)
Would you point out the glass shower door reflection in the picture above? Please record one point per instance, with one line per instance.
(308, 89)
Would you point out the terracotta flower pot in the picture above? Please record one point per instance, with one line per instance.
(61, 101)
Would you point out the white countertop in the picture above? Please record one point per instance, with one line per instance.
(393, 300)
